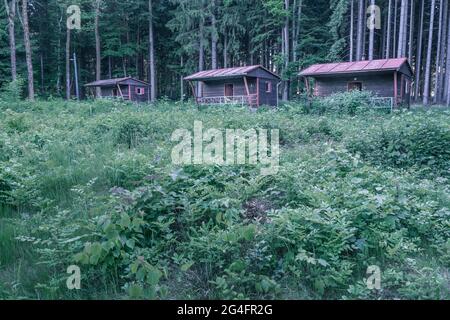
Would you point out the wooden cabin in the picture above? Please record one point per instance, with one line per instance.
(128, 89)
(387, 78)
(253, 86)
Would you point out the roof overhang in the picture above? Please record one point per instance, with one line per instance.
(337, 74)
(359, 67)
(113, 82)
(228, 73)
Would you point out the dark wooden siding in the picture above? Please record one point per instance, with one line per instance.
(108, 92)
(216, 88)
(268, 98)
(380, 84)
(140, 98)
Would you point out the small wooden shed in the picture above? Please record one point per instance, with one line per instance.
(387, 78)
(253, 85)
(124, 88)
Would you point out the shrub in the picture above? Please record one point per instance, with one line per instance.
(12, 91)
(348, 103)
(130, 132)
(406, 142)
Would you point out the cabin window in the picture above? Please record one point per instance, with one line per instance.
(268, 87)
(229, 90)
(354, 86)
(140, 91)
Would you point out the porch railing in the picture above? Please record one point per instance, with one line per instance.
(382, 103)
(250, 100)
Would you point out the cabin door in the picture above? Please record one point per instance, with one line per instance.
(229, 90)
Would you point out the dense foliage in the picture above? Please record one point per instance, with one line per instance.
(92, 184)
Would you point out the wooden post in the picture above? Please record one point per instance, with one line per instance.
(120, 91)
(193, 92)
(129, 92)
(395, 89)
(307, 87)
(257, 92)
(248, 91)
(75, 65)
(308, 95)
(409, 93)
(402, 88)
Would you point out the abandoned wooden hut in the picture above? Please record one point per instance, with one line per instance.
(123, 88)
(253, 86)
(389, 79)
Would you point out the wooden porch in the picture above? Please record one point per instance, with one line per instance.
(251, 86)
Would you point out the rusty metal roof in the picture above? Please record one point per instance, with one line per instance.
(112, 82)
(358, 66)
(226, 73)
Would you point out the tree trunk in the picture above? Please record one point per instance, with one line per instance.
(442, 87)
(98, 60)
(109, 67)
(426, 88)
(58, 63)
(394, 38)
(405, 30)
(402, 29)
(359, 36)
(388, 33)
(151, 53)
(42, 71)
(201, 55)
(68, 94)
(447, 68)
(213, 36)
(411, 32)
(297, 32)
(286, 52)
(11, 13)
(225, 50)
(182, 78)
(351, 29)
(419, 52)
(294, 27)
(364, 55)
(28, 52)
(438, 57)
(138, 51)
(371, 35)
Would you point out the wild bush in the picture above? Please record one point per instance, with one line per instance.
(406, 142)
(12, 91)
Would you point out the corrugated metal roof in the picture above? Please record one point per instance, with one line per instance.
(225, 73)
(111, 82)
(358, 66)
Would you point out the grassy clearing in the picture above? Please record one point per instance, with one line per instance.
(92, 184)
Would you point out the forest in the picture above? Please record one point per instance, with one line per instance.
(93, 205)
(163, 41)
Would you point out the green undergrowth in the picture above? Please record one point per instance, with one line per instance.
(92, 184)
